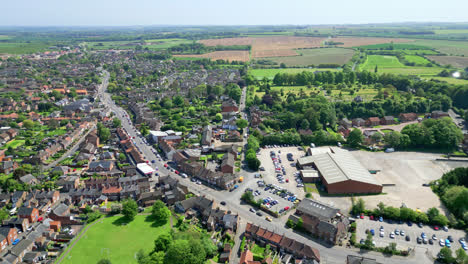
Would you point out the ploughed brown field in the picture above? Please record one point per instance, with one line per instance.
(284, 46)
(229, 55)
(459, 62)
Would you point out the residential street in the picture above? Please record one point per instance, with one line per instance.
(328, 254)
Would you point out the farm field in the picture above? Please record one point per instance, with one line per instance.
(391, 64)
(381, 62)
(230, 55)
(420, 52)
(270, 73)
(450, 80)
(153, 44)
(363, 41)
(315, 57)
(22, 48)
(459, 62)
(396, 46)
(457, 48)
(417, 59)
(104, 240)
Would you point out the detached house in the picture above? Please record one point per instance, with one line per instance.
(373, 121)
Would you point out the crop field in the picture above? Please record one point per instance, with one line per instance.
(4, 37)
(391, 64)
(229, 55)
(153, 44)
(455, 48)
(451, 31)
(22, 48)
(362, 41)
(270, 46)
(417, 59)
(270, 73)
(459, 62)
(396, 46)
(450, 80)
(104, 240)
(316, 56)
(381, 62)
(420, 52)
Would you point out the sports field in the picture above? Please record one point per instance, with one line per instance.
(317, 56)
(22, 48)
(270, 73)
(114, 241)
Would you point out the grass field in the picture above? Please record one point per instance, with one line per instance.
(450, 80)
(315, 57)
(391, 64)
(119, 243)
(421, 52)
(417, 59)
(396, 46)
(153, 44)
(3, 37)
(22, 48)
(451, 31)
(381, 62)
(228, 55)
(456, 48)
(14, 144)
(270, 73)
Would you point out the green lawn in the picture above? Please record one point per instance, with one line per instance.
(316, 56)
(57, 132)
(381, 61)
(14, 143)
(417, 59)
(119, 243)
(450, 80)
(270, 73)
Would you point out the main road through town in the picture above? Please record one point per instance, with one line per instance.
(328, 254)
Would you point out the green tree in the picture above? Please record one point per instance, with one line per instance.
(129, 209)
(242, 123)
(160, 211)
(359, 206)
(393, 138)
(163, 242)
(368, 241)
(461, 257)
(116, 122)
(103, 132)
(178, 100)
(355, 138)
(157, 257)
(445, 255)
(144, 129)
(185, 252)
(218, 117)
(104, 261)
(28, 124)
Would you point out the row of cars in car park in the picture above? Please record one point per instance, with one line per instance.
(298, 179)
(420, 239)
(279, 168)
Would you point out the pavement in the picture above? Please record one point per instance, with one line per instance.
(233, 203)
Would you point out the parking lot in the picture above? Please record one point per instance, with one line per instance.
(413, 232)
(270, 173)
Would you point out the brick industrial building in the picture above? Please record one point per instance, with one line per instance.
(340, 172)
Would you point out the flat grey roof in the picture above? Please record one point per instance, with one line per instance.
(340, 166)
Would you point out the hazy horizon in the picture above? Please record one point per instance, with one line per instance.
(118, 13)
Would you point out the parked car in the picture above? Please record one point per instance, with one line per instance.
(407, 238)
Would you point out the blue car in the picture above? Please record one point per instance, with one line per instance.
(16, 241)
(372, 232)
(380, 219)
(447, 243)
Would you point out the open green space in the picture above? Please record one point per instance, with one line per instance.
(14, 144)
(420, 52)
(451, 31)
(153, 44)
(315, 57)
(270, 73)
(56, 132)
(450, 80)
(417, 59)
(391, 64)
(395, 46)
(111, 238)
(22, 48)
(4, 37)
(381, 61)
(457, 48)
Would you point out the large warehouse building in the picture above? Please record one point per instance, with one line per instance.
(340, 172)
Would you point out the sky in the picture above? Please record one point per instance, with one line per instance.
(224, 12)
